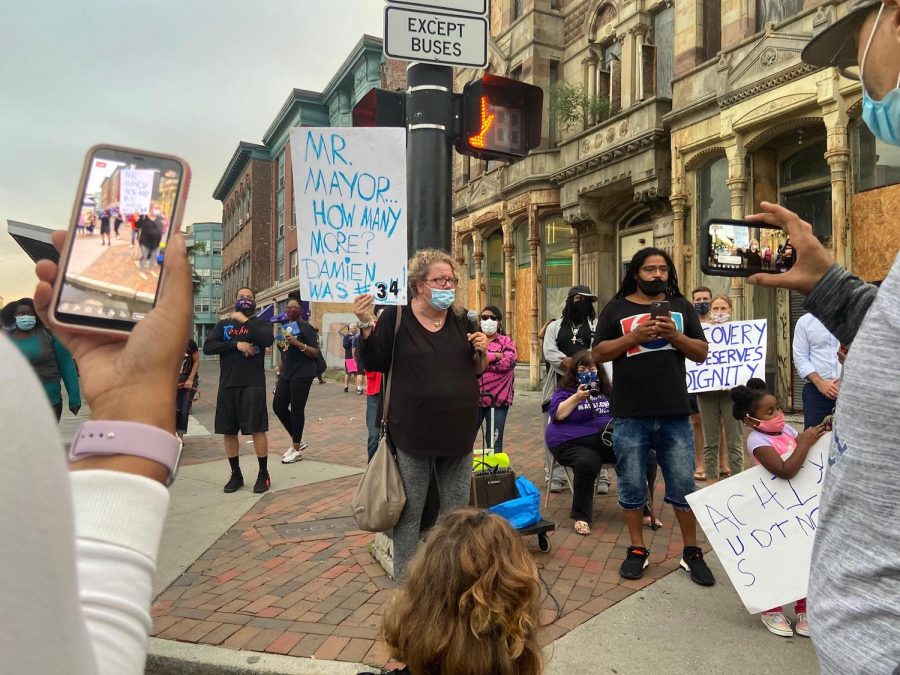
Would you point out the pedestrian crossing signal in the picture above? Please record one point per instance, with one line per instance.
(501, 118)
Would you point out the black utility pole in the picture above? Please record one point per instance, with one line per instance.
(429, 156)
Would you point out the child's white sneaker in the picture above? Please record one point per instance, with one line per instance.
(777, 623)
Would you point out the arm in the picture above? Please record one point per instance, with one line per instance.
(692, 348)
(68, 372)
(216, 343)
(310, 347)
(195, 366)
(841, 302)
(551, 352)
(504, 360)
(788, 468)
(376, 345)
(262, 333)
(800, 351)
(692, 343)
(567, 406)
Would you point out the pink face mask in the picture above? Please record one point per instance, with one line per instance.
(771, 426)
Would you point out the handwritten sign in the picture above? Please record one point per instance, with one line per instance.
(135, 190)
(762, 529)
(737, 352)
(350, 191)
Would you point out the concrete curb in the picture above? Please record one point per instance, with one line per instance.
(168, 657)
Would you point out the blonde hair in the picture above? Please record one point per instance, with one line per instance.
(421, 263)
(470, 604)
(722, 296)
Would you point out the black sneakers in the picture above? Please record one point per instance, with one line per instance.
(235, 483)
(635, 563)
(692, 561)
(262, 482)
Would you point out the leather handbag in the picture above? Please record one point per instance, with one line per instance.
(380, 497)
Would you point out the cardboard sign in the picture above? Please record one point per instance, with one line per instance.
(135, 190)
(350, 192)
(762, 529)
(737, 352)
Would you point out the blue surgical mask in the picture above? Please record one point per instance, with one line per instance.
(442, 298)
(882, 117)
(587, 377)
(25, 322)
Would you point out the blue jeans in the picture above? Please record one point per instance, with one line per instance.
(816, 407)
(673, 440)
(372, 423)
(499, 424)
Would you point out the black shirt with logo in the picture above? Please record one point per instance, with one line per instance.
(294, 363)
(236, 369)
(648, 380)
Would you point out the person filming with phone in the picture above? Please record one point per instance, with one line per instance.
(648, 330)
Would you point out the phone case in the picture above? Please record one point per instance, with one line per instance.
(704, 242)
(175, 224)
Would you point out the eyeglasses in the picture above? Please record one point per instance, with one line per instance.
(489, 317)
(444, 282)
(651, 269)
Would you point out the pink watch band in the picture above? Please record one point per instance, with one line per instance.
(100, 437)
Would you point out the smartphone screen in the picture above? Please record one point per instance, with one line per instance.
(123, 218)
(741, 248)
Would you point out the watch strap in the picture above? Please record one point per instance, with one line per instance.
(103, 437)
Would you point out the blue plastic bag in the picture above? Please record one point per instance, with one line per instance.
(525, 510)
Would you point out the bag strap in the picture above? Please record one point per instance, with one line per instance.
(390, 372)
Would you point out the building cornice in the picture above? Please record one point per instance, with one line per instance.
(793, 73)
(630, 148)
(244, 152)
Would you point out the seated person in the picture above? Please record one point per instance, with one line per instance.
(579, 432)
(470, 602)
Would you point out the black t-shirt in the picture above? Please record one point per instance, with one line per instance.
(236, 369)
(434, 393)
(294, 363)
(648, 380)
(573, 338)
(348, 346)
(187, 363)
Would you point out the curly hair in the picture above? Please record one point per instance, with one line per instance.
(470, 605)
(419, 266)
(569, 379)
(747, 397)
(8, 313)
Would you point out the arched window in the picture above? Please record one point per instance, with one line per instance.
(713, 201)
(495, 266)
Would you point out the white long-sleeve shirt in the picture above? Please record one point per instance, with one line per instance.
(77, 550)
(815, 349)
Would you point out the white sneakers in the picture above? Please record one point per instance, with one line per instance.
(293, 454)
(778, 624)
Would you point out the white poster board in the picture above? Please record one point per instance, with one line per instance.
(737, 352)
(135, 190)
(350, 200)
(762, 529)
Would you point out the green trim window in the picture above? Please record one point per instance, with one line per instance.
(557, 248)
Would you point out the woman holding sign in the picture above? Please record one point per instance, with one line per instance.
(716, 410)
(768, 442)
(434, 361)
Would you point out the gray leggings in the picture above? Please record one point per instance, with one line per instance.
(453, 475)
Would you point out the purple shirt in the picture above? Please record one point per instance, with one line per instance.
(589, 418)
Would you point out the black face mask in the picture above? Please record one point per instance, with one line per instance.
(580, 310)
(651, 288)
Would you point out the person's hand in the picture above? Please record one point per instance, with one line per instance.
(479, 341)
(583, 392)
(666, 328)
(645, 332)
(74, 409)
(364, 308)
(187, 384)
(239, 317)
(829, 388)
(151, 354)
(811, 435)
(564, 364)
(842, 354)
(812, 261)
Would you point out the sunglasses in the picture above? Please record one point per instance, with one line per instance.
(489, 317)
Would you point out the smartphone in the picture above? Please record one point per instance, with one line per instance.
(110, 271)
(738, 248)
(660, 308)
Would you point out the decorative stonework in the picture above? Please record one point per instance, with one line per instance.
(795, 73)
(623, 128)
(617, 153)
(768, 58)
(772, 107)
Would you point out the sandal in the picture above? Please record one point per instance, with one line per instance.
(724, 474)
(699, 475)
(653, 524)
(582, 528)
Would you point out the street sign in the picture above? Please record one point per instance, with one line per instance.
(479, 7)
(435, 37)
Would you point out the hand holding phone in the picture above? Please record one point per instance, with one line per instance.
(660, 308)
(743, 248)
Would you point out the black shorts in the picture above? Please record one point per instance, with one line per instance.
(695, 407)
(242, 409)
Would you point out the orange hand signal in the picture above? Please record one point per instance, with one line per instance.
(487, 122)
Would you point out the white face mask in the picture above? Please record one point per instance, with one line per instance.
(489, 326)
(720, 317)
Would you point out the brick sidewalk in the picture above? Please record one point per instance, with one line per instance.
(294, 576)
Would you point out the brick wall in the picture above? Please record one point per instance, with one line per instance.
(262, 213)
(393, 74)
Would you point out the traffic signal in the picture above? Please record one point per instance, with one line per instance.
(380, 108)
(501, 118)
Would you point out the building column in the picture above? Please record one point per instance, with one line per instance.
(576, 255)
(590, 64)
(640, 35)
(838, 157)
(509, 272)
(534, 241)
(478, 257)
(737, 187)
(681, 251)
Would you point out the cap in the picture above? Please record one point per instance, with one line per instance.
(584, 291)
(835, 45)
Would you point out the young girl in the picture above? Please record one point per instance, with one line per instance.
(497, 380)
(769, 441)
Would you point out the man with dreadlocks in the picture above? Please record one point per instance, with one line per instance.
(650, 399)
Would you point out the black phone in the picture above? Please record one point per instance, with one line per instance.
(660, 308)
(739, 248)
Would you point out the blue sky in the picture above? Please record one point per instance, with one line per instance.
(188, 77)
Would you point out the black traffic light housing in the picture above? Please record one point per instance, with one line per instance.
(380, 108)
(501, 118)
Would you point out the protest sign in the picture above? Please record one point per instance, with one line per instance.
(350, 198)
(762, 529)
(135, 190)
(737, 352)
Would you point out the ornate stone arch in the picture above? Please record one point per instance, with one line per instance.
(703, 157)
(602, 13)
(779, 127)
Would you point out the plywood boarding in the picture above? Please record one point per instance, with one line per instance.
(876, 232)
(522, 331)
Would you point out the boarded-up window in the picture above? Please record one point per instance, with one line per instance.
(615, 86)
(648, 71)
(712, 28)
(664, 39)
